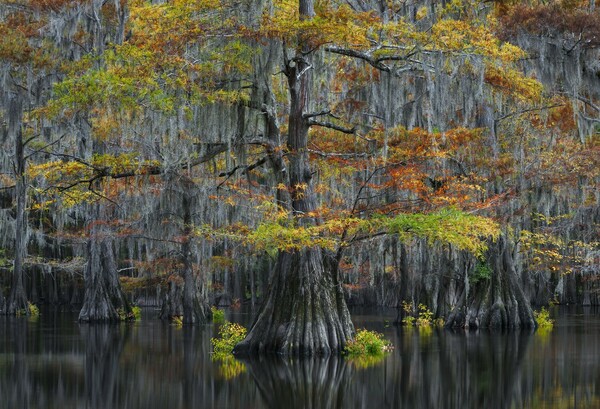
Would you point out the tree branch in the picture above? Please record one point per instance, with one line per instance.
(333, 126)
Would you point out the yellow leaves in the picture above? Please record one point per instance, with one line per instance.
(341, 25)
(469, 37)
(513, 82)
(70, 181)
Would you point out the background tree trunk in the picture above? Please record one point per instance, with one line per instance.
(17, 300)
(498, 302)
(103, 300)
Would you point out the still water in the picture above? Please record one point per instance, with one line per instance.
(56, 363)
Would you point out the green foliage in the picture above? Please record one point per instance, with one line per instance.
(542, 317)
(218, 316)
(425, 318)
(177, 321)
(422, 317)
(447, 226)
(134, 315)
(230, 334)
(483, 272)
(34, 311)
(367, 343)
(137, 313)
(31, 311)
(452, 226)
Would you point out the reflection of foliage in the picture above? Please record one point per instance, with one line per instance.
(542, 317)
(367, 343)
(218, 315)
(230, 367)
(230, 334)
(365, 361)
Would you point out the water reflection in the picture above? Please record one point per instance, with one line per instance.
(103, 348)
(302, 383)
(56, 363)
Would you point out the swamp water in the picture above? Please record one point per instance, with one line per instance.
(54, 362)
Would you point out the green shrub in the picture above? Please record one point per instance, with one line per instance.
(177, 320)
(542, 317)
(425, 318)
(230, 334)
(367, 343)
(137, 313)
(483, 272)
(34, 311)
(218, 316)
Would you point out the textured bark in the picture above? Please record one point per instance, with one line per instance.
(498, 303)
(304, 313)
(17, 301)
(184, 297)
(172, 301)
(104, 299)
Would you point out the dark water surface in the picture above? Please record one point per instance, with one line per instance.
(56, 363)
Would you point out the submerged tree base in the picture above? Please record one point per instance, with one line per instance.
(305, 312)
(104, 300)
(497, 303)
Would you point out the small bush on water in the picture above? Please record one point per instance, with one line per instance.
(177, 320)
(367, 343)
(230, 334)
(134, 315)
(542, 317)
(32, 311)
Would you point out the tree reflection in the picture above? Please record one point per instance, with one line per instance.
(103, 347)
(301, 383)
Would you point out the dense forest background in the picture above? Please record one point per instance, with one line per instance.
(152, 154)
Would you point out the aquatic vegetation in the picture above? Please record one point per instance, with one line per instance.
(218, 316)
(542, 317)
(34, 311)
(367, 343)
(134, 315)
(422, 317)
(177, 320)
(230, 334)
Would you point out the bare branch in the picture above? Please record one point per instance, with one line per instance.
(330, 125)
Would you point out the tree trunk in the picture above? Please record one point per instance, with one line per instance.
(103, 300)
(304, 312)
(17, 300)
(184, 297)
(499, 302)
